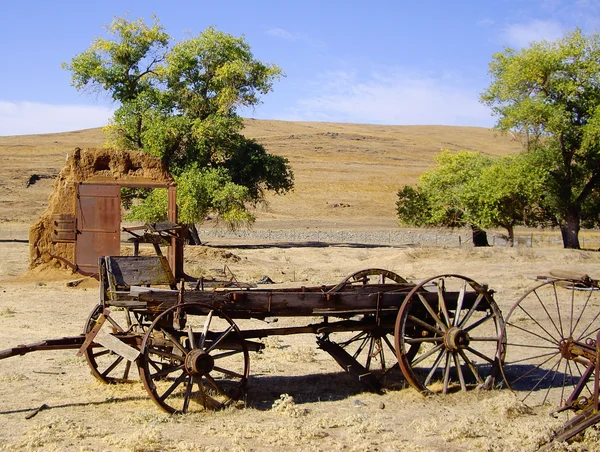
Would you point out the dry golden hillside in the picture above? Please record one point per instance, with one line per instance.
(355, 165)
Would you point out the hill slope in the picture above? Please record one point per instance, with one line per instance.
(360, 167)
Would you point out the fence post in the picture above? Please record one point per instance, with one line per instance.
(459, 241)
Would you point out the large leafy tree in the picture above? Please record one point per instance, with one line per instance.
(470, 189)
(180, 103)
(441, 196)
(550, 94)
(508, 193)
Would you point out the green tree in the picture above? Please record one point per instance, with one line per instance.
(470, 189)
(507, 193)
(550, 94)
(181, 104)
(441, 195)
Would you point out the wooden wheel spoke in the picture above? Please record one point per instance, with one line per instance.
(220, 338)
(529, 358)
(480, 355)
(481, 321)
(216, 386)
(127, 369)
(424, 340)
(229, 373)
(389, 344)
(115, 324)
(162, 372)
(370, 353)
(426, 355)
(207, 401)
(174, 386)
(174, 341)
(442, 303)
(354, 338)
(207, 322)
(425, 325)
(361, 347)
(101, 353)
(470, 312)
(461, 377)
(188, 395)
(226, 354)
(484, 339)
(191, 337)
(165, 354)
(471, 366)
(431, 312)
(459, 303)
(435, 365)
(110, 368)
(446, 374)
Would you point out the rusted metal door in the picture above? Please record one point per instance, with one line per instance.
(98, 224)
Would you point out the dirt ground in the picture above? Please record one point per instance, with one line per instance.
(298, 399)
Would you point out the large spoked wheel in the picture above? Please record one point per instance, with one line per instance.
(369, 276)
(458, 326)
(202, 363)
(106, 365)
(373, 347)
(541, 328)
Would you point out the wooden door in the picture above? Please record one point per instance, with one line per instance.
(98, 225)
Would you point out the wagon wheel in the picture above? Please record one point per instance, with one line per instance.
(203, 364)
(540, 328)
(369, 276)
(458, 327)
(106, 365)
(372, 347)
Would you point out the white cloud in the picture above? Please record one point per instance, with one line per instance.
(24, 118)
(522, 35)
(401, 98)
(281, 33)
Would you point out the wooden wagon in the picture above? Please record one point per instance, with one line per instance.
(444, 334)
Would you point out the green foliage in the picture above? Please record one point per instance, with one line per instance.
(201, 191)
(470, 189)
(442, 193)
(550, 93)
(180, 104)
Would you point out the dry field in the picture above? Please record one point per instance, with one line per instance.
(299, 398)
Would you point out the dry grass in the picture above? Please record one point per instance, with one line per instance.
(299, 398)
(362, 166)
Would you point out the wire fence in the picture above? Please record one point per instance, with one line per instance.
(396, 237)
(391, 237)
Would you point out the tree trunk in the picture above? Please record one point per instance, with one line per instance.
(193, 236)
(479, 236)
(511, 235)
(569, 230)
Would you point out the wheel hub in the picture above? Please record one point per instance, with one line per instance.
(566, 348)
(198, 362)
(455, 339)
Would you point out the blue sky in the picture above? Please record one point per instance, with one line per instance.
(373, 62)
